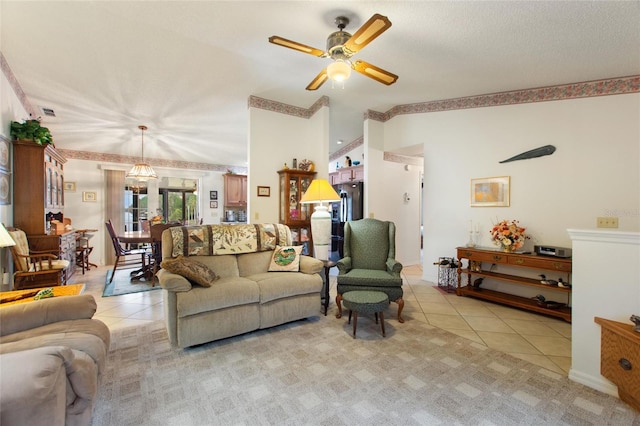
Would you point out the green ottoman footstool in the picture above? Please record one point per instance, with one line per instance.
(363, 302)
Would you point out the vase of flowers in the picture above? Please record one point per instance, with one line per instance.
(508, 235)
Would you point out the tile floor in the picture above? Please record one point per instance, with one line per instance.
(538, 339)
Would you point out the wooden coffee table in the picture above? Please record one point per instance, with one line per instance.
(22, 296)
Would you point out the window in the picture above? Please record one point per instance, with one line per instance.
(179, 205)
(136, 206)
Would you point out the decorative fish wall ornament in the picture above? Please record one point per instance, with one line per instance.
(534, 153)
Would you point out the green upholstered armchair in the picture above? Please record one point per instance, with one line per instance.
(369, 261)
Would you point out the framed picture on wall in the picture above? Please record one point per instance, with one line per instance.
(264, 191)
(89, 196)
(490, 192)
(213, 195)
(5, 187)
(70, 186)
(5, 154)
(213, 204)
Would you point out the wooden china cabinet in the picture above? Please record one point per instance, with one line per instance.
(293, 184)
(38, 191)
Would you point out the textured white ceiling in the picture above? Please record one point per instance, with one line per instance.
(187, 69)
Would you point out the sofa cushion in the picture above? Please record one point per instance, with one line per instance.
(89, 335)
(191, 269)
(285, 259)
(254, 263)
(279, 285)
(26, 316)
(224, 293)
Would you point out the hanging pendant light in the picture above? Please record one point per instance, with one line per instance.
(142, 171)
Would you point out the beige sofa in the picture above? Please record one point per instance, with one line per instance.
(247, 296)
(52, 354)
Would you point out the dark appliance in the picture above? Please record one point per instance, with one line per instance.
(350, 207)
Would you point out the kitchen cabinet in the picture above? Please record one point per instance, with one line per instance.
(235, 190)
(478, 257)
(347, 175)
(293, 184)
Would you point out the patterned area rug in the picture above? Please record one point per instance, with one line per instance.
(313, 372)
(122, 284)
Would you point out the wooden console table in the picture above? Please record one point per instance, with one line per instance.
(518, 260)
(620, 359)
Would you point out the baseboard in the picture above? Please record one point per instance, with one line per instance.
(598, 383)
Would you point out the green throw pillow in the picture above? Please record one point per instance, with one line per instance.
(192, 270)
(285, 258)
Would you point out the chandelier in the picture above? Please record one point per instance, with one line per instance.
(142, 171)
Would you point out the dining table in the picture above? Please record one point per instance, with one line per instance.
(139, 237)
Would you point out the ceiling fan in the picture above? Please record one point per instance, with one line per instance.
(341, 46)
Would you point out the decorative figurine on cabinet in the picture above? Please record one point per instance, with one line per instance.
(636, 320)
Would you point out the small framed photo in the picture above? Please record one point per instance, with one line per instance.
(70, 186)
(213, 195)
(264, 191)
(89, 196)
(213, 204)
(5, 154)
(490, 192)
(5, 188)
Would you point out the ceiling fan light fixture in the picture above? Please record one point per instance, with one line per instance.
(142, 171)
(339, 70)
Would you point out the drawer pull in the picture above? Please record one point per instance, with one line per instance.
(519, 261)
(497, 258)
(558, 266)
(625, 364)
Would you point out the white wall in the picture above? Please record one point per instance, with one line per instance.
(594, 172)
(11, 109)
(607, 285)
(385, 185)
(276, 139)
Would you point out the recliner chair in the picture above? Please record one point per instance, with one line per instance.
(369, 261)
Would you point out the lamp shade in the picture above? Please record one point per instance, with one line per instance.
(320, 191)
(5, 238)
(142, 171)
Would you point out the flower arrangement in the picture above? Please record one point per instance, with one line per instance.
(508, 235)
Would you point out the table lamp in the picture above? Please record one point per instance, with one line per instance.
(320, 191)
(5, 241)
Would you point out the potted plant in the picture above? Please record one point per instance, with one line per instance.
(31, 129)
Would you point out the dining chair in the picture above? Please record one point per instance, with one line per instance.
(124, 257)
(156, 246)
(35, 268)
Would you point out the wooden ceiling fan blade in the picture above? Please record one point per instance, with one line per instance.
(296, 46)
(378, 74)
(375, 26)
(318, 80)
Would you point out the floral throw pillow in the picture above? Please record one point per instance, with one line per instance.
(285, 258)
(192, 270)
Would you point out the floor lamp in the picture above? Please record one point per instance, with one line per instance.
(320, 191)
(5, 241)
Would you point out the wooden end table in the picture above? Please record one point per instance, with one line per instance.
(23, 296)
(328, 264)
